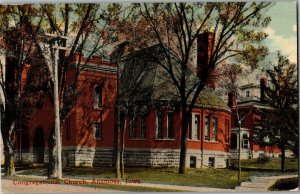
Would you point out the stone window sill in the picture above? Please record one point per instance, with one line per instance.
(137, 139)
(165, 139)
(194, 140)
(212, 141)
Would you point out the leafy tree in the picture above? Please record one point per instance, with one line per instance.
(279, 126)
(233, 30)
(86, 26)
(16, 46)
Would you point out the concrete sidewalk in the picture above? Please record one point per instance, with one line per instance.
(122, 182)
(260, 184)
(183, 188)
(257, 184)
(9, 186)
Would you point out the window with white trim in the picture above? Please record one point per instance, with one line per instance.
(159, 124)
(247, 93)
(245, 144)
(207, 128)
(170, 127)
(227, 130)
(215, 128)
(143, 127)
(132, 133)
(196, 127)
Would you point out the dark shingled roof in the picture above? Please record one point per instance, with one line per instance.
(148, 81)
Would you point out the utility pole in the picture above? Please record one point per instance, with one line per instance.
(57, 116)
(239, 155)
(55, 58)
(118, 154)
(239, 119)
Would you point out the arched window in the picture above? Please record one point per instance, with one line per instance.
(233, 141)
(245, 141)
(97, 96)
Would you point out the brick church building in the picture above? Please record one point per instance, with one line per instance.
(89, 130)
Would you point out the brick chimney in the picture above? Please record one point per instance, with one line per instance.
(211, 81)
(263, 84)
(204, 47)
(231, 100)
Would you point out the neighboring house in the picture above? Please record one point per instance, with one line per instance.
(152, 136)
(251, 101)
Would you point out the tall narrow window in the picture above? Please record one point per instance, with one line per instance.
(132, 133)
(159, 125)
(207, 128)
(227, 130)
(190, 126)
(247, 93)
(97, 97)
(97, 130)
(143, 126)
(233, 141)
(245, 141)
(170, 131)
(215, 128)
(68, 128)
(196, 128)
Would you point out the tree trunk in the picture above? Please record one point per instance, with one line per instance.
(9, 165)
(117, 147)
(283, 158)
(123, 149)
(183, 148)
(53, 162)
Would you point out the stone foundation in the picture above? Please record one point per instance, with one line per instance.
(87, 156)
(245, 154)
(207, 158)
(170, 158)
(151, 157)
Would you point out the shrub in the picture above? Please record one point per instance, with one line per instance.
(262, 159)
(285, 184)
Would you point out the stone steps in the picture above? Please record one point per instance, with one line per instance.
(259, 183)
(253, 184)
(248, 189)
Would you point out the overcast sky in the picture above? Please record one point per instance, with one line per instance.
(283, 29)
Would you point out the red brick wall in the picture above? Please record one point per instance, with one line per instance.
(152, 142)
(248, 123)
(83, 115)
(86, 114)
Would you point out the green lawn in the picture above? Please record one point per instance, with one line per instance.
(219, 178)
(272, 165)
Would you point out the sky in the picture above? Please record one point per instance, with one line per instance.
(282, 29)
